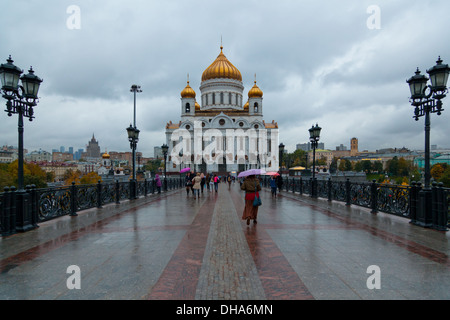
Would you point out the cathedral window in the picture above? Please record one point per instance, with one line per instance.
(188, 108)
(256, 107)
(214, 98)
(229, 98)
(221, 98)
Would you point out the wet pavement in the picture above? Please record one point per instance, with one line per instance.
(171, 247)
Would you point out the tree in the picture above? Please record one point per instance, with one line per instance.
(445, 177)
(32, 174)
(437, 170)
(90, 178)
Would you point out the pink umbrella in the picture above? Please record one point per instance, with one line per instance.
(272, 173)
(251, 172)
(185, 170)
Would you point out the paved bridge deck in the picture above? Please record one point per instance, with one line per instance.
(171, 247)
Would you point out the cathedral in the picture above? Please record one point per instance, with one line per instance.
(221, 131)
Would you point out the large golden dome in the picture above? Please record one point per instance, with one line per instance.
(188, 92)
(255, 92)
(221, 68)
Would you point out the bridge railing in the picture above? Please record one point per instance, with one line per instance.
(398, 200)
(50, 203)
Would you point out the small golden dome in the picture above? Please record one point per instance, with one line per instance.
(188, 92)
(106, 155)
(255, 92)
(246, 106)
(221, 68)
(197, 106)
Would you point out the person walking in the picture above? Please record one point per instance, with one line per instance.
(216, 183)
(229, 181)
(188, 183)
(202, 183)
(251, 187)
(273, 186)
(279, 182)
(211, 183)
(158, 183)
(196, 182)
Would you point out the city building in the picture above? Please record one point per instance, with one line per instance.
(92, 149)
(39, 155)
(221, 132)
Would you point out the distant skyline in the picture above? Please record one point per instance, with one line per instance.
(341, 64)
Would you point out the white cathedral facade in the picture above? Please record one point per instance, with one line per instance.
(221, 130)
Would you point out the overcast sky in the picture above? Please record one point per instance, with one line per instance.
(342, 64)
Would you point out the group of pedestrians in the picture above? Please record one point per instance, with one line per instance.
(195, 183)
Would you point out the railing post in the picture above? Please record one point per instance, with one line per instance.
(301, 185)
(374, 196)
(6, 213)
(145, 187)
(414, 201)
(439, 210)
(99, 194)
(348, 199)
(73, 200)
(34, 206)
(117, 189)
(329, 189)
(13, 208)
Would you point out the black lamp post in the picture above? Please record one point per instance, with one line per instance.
(20, 100)
(133, 137)
(165, 149)
(314, 136)
(426, 103)
(280, 154)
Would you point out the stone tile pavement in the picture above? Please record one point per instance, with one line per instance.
(173, 247)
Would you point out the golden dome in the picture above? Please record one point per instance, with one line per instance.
(188, 92)
(106, 155)
(246, 106)
(255, 92)
(221, 68)
(197, 106)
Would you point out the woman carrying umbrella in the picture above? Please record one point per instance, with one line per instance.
(251, 187)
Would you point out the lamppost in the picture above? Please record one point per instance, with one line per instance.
(426, 103)
(314, 137)
(133, 137)
(165, 149)
(20, 100)
(280, 154)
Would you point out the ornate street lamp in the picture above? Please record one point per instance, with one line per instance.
(165, 149)
(426, 103)
(314, 137)
(20, 100)
(133, 137)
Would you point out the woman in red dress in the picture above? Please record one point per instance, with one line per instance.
(251, 187)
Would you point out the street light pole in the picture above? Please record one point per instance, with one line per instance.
(425, 104)
(314, 137)
(20, 100)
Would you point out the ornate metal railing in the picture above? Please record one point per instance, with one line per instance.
(402, 201)
(50, 203)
